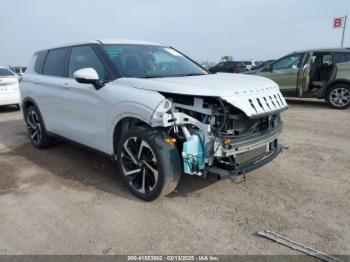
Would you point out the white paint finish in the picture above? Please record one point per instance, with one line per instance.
(46, 92)
(236, 89)
(221, 84)
(83, 114)
(86, 73)
(88, 116)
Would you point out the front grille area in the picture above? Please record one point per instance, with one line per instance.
(267, 103)
(259, 103)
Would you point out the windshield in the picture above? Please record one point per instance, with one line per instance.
(148, 61)
(6, 72)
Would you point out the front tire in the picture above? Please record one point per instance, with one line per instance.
(338, 96)
(150, 167)
(36, 128)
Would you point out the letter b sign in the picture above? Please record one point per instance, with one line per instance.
(338, 22)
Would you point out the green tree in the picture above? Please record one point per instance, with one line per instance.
(227, 58)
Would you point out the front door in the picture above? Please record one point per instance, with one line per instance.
(84, 111)
(285, 73)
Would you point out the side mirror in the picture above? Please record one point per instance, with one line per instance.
(88, 76)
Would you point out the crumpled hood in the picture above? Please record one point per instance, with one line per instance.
(221, 84)
(254, 95)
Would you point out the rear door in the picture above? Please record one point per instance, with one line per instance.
(84, 111)
(285, 72)
(342, 61)
(49, 85)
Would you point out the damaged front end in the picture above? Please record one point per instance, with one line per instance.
(222, 136)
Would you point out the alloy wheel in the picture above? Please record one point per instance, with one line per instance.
(139, 165)
(34, 127)
(340, 97)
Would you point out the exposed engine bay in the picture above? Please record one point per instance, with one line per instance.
(215, 135)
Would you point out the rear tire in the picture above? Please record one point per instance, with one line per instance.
(338, 96)
(36, 128)
(150, 167)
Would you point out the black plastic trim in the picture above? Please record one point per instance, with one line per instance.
(246, 167)
(79, 145)
(256, 138)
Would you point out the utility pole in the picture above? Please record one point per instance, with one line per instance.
(344, 27)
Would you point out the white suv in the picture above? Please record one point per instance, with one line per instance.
(153, 110)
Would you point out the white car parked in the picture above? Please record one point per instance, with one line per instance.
(9, 92)
(153, 110)
(249, 64)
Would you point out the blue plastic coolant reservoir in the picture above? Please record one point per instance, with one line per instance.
(193, 155)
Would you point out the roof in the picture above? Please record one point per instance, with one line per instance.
(127, 41)
(107, 42)
(346, 49)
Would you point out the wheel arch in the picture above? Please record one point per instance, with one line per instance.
(333, 83)
(123, 124)
(27, 102)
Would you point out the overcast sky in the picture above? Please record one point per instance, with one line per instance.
(203, 29)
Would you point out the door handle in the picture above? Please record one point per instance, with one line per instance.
(66, 86)
(36, 81)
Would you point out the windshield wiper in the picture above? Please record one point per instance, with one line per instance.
(179, 75)
(153, 76)
(150, 76)
(194, 74)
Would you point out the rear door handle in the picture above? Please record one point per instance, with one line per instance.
(66, 86)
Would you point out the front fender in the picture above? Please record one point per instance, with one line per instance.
(132, 109)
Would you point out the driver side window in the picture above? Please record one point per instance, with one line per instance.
(84, 57)
(288, 62)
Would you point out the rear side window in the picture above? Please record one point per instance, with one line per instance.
(342, 57)
(229, 65)
(6, 72)
(40, 58)
(55, 62)
(84, 57)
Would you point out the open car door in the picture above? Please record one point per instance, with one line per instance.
(304, 75)
(285, 72)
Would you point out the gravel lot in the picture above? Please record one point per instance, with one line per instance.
(66, 200)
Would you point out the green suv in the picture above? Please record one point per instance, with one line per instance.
(321, 73)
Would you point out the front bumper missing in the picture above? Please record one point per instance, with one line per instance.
(249, 144)
(248, 166)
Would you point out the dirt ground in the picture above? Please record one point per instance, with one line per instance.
(66, 200)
